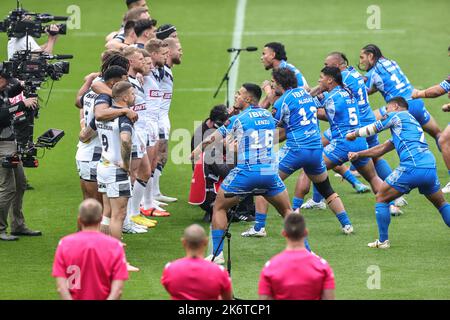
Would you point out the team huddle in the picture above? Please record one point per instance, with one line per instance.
(125, 128)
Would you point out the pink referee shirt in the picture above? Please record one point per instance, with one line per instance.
(195, 279)
(296, 275)
(90, 261)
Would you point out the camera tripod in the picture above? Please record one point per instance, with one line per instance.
(227, 233)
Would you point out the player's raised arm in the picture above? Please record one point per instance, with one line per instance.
(216, 136)
(84, 88)
(377, 151)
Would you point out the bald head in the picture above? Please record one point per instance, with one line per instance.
(90, 212)
(336, 59)
(194, 237)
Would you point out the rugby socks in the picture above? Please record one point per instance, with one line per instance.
(296, 203)
(217, 238)
(138, 192)
(350, 178)
(307, 245)
(317, 197)
(383, 217)
(445, 213)
(156, 175)
(343, 218)
(260, 219)
(148, 194)
(383, 169)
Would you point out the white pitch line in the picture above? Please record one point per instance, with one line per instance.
(239, 21)
(268, 33)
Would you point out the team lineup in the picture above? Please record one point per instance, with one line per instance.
(125, 129)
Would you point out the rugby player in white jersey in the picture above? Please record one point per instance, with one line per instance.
(89, 153)
(114, 167)
(166, 85)
(139, 168)
(152, 98)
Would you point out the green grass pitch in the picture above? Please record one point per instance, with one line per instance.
(413, 33)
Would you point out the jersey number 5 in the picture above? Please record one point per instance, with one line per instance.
(353, 117)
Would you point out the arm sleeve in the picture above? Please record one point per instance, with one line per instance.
(59, 266)
(226, 281)
(102, 99)
(386, 123)
(92, 124)
(119, 267)
(227, 128)
(165, 278)
(277, 110)
(264, 285)
(445, 85)
(125, 125)
(328, 283)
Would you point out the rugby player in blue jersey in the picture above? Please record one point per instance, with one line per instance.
(342, 112)
(274, 57)
(253, 133)
(417, 167)
(385, 76)
(353, 80)
(296, 113)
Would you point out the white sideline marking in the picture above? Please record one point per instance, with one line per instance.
(239, 21)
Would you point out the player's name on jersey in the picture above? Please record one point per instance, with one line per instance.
(155, 93)
(104, 126)
(167, 95)
(138, 107)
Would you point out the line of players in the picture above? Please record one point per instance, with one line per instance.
(341, 98)
(125, 126)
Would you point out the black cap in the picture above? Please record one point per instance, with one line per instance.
(165, 31)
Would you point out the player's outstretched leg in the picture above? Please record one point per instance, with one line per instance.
(323, 186)
(437, 199)
(384, 196)
(219, 224)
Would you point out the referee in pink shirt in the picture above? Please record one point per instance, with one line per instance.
(295, 273)
(90, 265)
(192, 277)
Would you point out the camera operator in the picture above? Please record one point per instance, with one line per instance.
(214, 169)
(12, 179)
(17, 44)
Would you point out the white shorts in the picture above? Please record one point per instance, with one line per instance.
(152, 130)
(116, 189)
(87, 170)
(164, 128)
(113, 181)
(139, 148)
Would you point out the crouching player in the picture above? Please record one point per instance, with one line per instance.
(253, 130)
(417, 167)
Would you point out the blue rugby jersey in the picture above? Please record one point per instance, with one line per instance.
(389, 79)
(296, 111)
(254, 130)
(354, 81)
(342, 112)
(408, 138)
